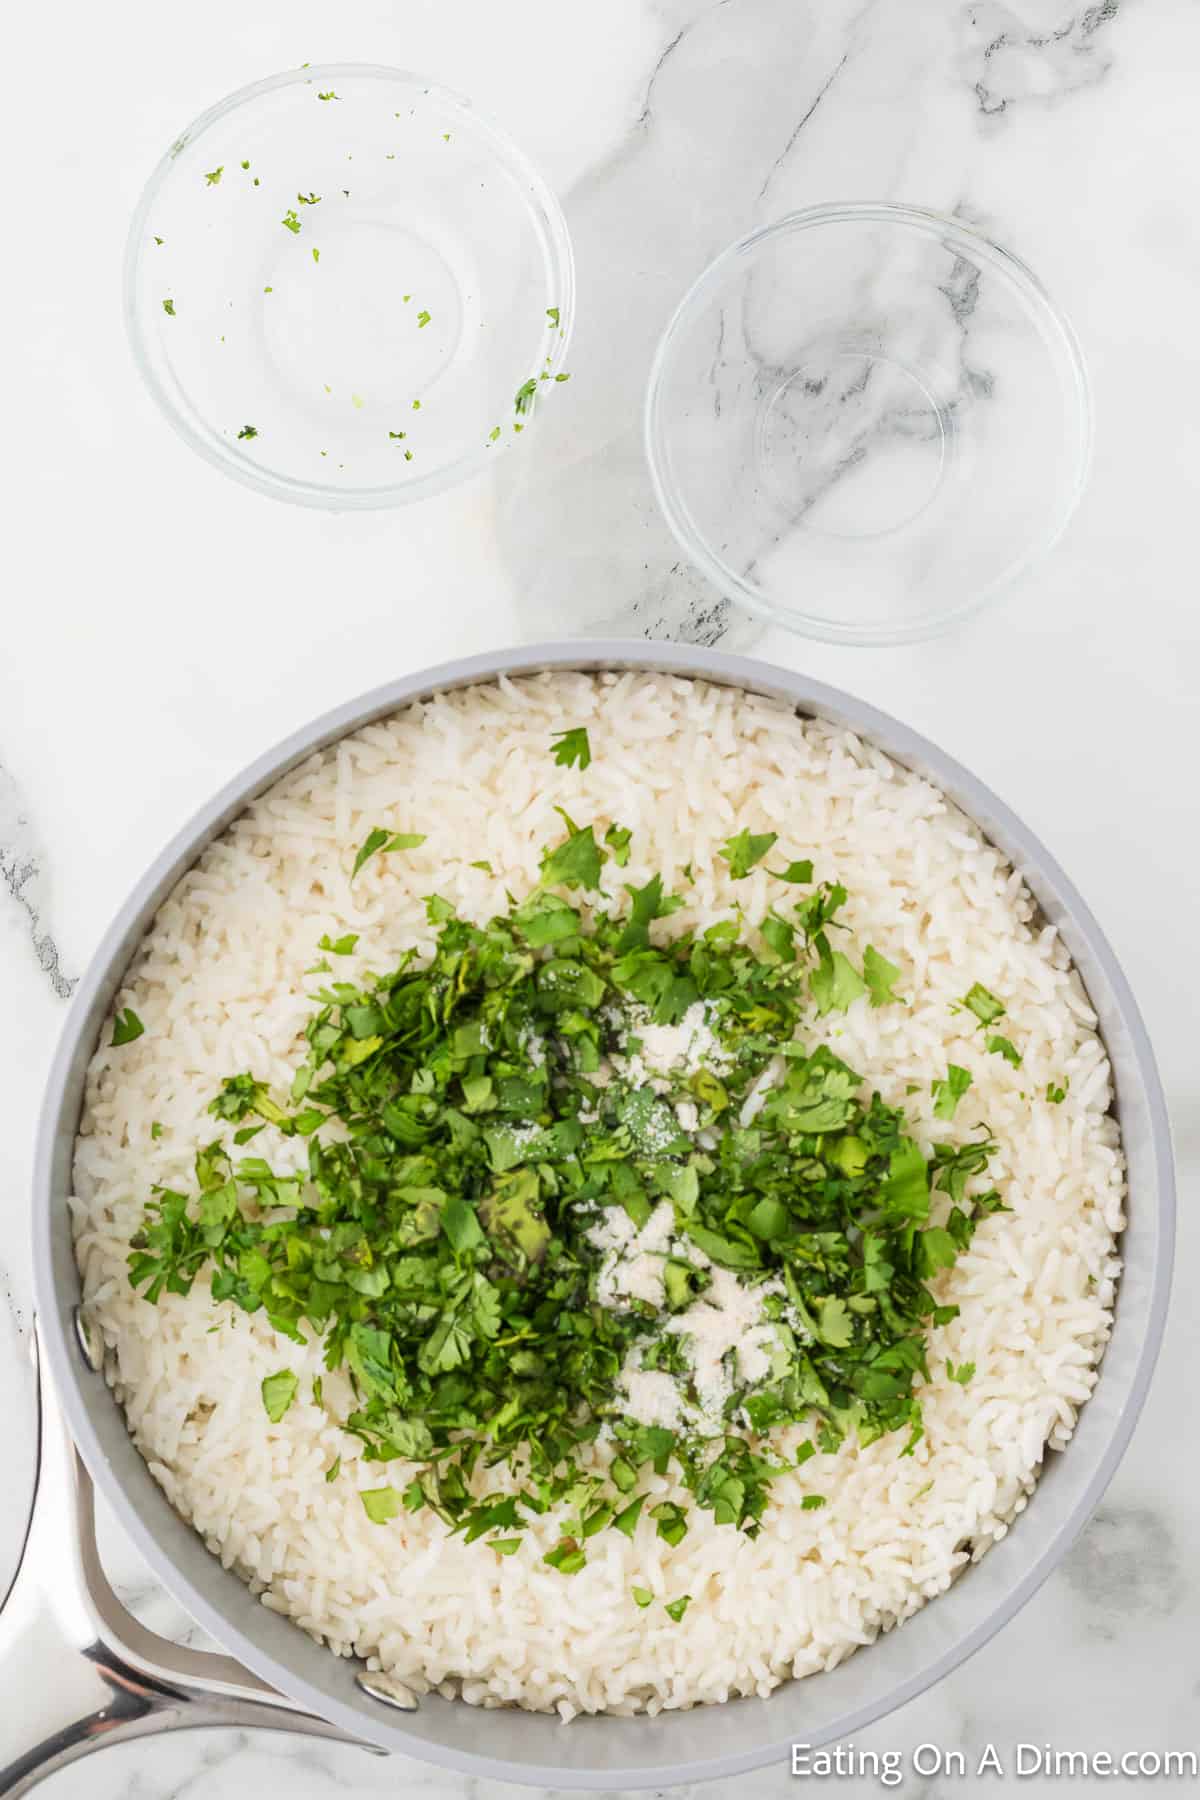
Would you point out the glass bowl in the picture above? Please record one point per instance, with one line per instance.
(346, 289)
(863, 421)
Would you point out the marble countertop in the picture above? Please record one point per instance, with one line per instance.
(163, 625)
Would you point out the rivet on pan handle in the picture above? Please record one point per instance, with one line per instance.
(90, 1675)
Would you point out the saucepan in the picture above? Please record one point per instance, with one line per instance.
(80, 1673)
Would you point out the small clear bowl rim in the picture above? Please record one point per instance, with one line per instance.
(551, 228)
(1064, 346)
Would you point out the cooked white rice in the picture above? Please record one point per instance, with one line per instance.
(220, 984)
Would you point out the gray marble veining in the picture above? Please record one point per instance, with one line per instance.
(24, 881)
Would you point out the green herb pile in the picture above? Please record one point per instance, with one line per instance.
(459, 1155)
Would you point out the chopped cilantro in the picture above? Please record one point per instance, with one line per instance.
(880, 976)
(641, 1596)
(617, 838)
(248, 431)
(524, 396)
(330, 96)
(382, 843)
(746, 849)
(552, 314)
(985, 1006)
(835, 983)
(316, 255)
(1054, 1093)
(799, 873)
(290, 221)
(962, 1374)
(572, 747)
(1002, 1046)
(278, 1392)
(566, 1557)
(169, 307)
(126, 1027)
(334, 1469)
(156, 1130)
(423, 319)
(675, 1609)
(812, 1502)
(576, 862)
(436, 1242)
(308, 199)
(214, 175)
(380, 1504)
(948, 1093)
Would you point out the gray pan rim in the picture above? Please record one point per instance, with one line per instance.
(568, 1757)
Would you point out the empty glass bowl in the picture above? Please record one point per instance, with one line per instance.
(344, 288)
(864, 420)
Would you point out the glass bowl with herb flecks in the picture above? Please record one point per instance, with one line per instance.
(346, 289)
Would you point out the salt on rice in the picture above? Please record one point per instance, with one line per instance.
(222, 984)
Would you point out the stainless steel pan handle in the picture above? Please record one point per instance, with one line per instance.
(77, 1672)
